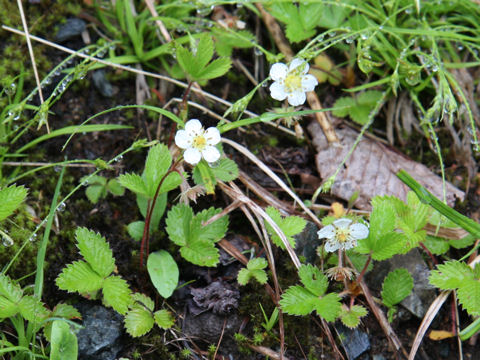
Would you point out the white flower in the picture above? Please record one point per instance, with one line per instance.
(198, 142)
(342, 234)
(291, 82)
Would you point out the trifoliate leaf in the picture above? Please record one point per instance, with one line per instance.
(143, 300)
(79, 277)
(117, 294)
(202, 253)
(298, 301)
(138, 321)
(255, 270)
(469, 296)
(63, 344)
(32, 309)
(359, 107)
(95, 250)
(227, 170)
(10, 199)
(178, 223)
(9, 290)
(290, 225)
(163, 271)
(134, 183)
(313, 279)
(397, 286)
(450, 275)
(115, 188)
(164, 319)
(351, 317)
(329, 306)
(135, 230)
(7, 308)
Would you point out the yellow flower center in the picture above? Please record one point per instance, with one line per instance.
(293, 82)
(199, 142)
(342, 235)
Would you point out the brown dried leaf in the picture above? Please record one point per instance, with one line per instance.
(371, 169)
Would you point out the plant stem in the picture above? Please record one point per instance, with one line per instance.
(364, 270)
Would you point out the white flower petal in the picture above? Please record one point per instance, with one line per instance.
(210, 153)
(192, 156)
(277, 91)
(358, 231)
(331, 246)
(349, 244)
(193, 127)
(342, 223)
(296, 98)
(212, 135)
(182, 139)
(326, 232)
(309, 82)
(295, 63)
(278, 71)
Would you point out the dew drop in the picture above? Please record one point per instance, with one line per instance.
(61, 206)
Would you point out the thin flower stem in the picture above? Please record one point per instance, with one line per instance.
(364, 270)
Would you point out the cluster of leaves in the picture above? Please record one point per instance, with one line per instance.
(98, 187)
(290, 226)
(94, 274)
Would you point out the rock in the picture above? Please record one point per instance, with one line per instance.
(423, 293)
(100, 337)
(219, 296)
(71, 28)
(307, 241)
(102, 84)
(354, 341)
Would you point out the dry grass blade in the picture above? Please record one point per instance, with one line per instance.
(273, 176)
(159, 22)
(146, 73)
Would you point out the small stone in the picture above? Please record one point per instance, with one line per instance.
(354, 341)
(102, 84)
(71, 28)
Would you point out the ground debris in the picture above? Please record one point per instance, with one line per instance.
(372, 168)
(219, 296)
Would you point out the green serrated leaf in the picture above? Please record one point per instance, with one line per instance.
(204, 51)
(469, 296)
(216, 68)
(172, 181)
(164, 319)
(138, 321)
(358, 107)
(227, 170)
(10, 199)
(450, 275)
(436, 245)
(7, 308)
(178, 223)
(144, 300)
(9, 290)
(351, 317)
(134, 183)
(298, 301)
(66, 311)
(32, 309)
(115, 187)
(95, 250)
(397, 286)
(64, 345)
(79, 277)
(254, 270)
(329, 306)
(211, 232)
(388, 245)
(202, 253)
(95, 193)
(313, 279)
(117, 294)
(290, 225)
(163, 271)
(157, 164)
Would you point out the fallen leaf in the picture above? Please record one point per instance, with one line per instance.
(372, 168)
(440, 335)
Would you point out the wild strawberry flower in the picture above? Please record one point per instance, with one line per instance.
(342, 234)
(198, 142)
(291, 82)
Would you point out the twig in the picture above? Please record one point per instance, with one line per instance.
(312, 98)
(146, 73)
(32, 55)
(234, 205)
